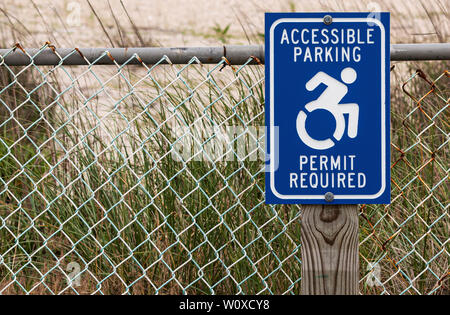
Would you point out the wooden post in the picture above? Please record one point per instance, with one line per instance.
(330, 257)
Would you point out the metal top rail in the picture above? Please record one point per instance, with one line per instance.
(182, 55)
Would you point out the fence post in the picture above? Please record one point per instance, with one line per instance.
(329, 238)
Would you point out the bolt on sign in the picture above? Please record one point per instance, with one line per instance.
(327, 108)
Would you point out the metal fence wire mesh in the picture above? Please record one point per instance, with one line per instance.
(149, 179)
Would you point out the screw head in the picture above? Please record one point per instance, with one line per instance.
(327, 19)
(329, 196)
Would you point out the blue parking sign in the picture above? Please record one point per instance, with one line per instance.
(327, 108)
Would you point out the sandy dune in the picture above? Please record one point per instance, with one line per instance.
(71, 23)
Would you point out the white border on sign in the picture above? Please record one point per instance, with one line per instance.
(383, 108)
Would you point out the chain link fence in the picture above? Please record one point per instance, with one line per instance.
(149, 179)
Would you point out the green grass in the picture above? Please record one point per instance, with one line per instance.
(134, 201)
(131, 215)
(221, 33)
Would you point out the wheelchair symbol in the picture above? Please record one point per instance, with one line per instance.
(329, 100)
